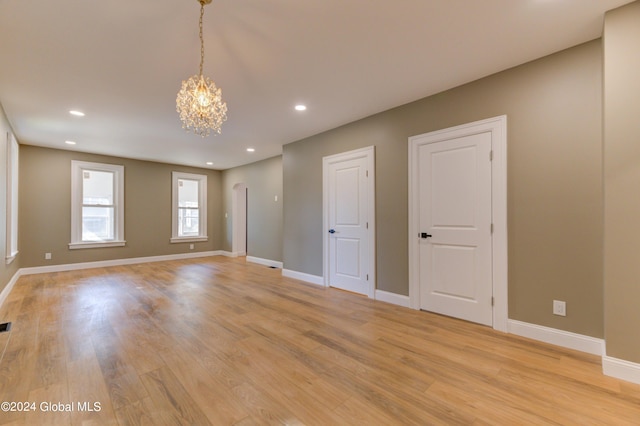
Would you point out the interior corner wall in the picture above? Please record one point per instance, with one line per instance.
(622, 182)
(264, 207)
(555, 204)
(45, 209)
(6, 271)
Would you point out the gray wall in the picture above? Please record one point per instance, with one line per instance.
(622, 181)
(45, 208)
(264, 214)
(6, 271)
(555, 218)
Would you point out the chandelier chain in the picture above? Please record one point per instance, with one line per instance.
(201, 38)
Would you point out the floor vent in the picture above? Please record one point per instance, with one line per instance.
(5, 327)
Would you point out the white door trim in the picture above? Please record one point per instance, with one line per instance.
(498, 128)
(369, 154)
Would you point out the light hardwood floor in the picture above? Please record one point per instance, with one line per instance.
(219, 341)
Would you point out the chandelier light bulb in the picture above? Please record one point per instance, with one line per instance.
(203, 95)
(203, 100)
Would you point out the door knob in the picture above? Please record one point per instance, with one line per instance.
(424, 235)
(332, 231)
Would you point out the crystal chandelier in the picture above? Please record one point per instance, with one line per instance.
(199, 101)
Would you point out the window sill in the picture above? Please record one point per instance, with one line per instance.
(96, 244)
(11, 258)
(188, 239)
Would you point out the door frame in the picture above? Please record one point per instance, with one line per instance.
(498, 128)
(369, 154)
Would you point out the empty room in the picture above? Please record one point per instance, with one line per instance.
(218, 212)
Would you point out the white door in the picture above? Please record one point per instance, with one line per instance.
(455, 227)
(348, 221)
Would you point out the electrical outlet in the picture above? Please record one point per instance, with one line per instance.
(190, 246)
(560, 308)
(47, 256)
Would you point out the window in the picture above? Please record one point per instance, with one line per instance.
(97, 205)
(12, 198)
(189, 210)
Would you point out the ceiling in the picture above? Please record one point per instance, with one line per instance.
(122, 63)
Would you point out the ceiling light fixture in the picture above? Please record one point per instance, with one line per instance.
(199, 101)
(301, 107)
(70, 142)
(251, 150)
(76, 113)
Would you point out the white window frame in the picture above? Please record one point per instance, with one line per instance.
(202, 207)
(12, 198)
(77, 169)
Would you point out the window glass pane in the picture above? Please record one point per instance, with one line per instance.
(97, 187)
(188, 222)
(97, 224)
(188, 193)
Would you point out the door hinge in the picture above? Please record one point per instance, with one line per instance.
(491, 155)
(367, 173)
(367, 277)
(367, 225)
(492, 228)
(493, 301)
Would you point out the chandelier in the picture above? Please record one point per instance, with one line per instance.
(199, 102)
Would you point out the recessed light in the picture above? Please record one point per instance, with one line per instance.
(301, 107)
(70, 142)
(76, 113)
(251, 149)
(209, 163)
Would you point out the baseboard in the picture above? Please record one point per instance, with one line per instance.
(312, 279)
(621, 369)
(553, 336)
(265, 262)
(115, 262)
(5, 292)
(396, 299)
(230, 253)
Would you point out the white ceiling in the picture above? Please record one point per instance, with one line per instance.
(122, 63)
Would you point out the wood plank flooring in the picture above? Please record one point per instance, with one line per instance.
(223, 342)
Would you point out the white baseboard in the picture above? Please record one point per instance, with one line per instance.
(396, 299)
(265, 262)
(312, 279)
(553, 336)
(230, 253)
(115, 262)
(9, 287)
(621, 369)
